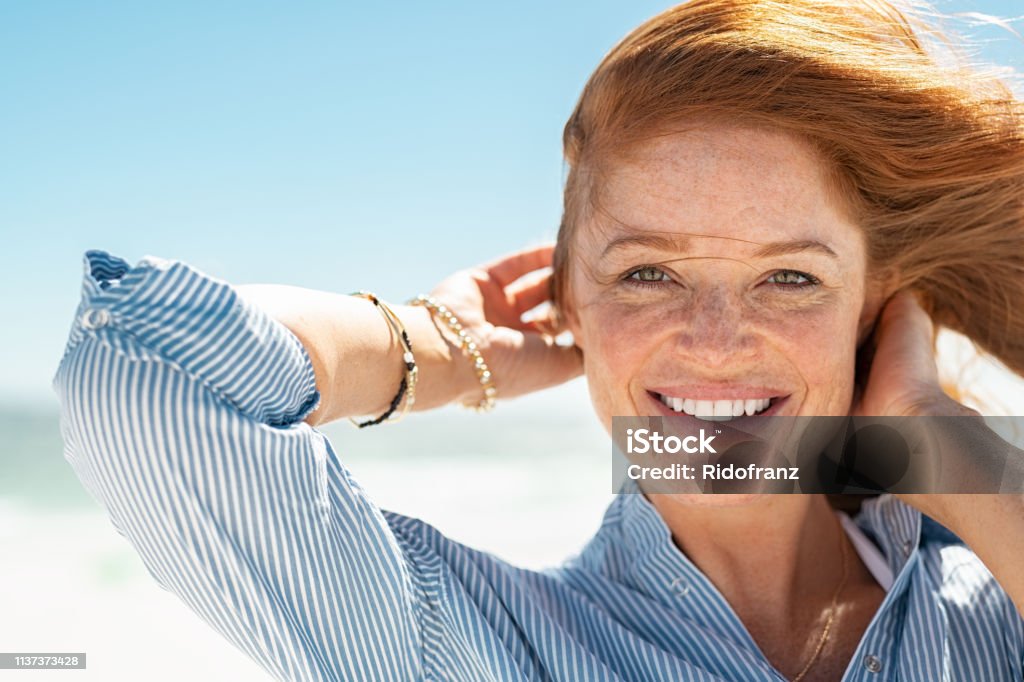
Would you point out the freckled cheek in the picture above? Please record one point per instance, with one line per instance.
(616, 338)
(821, 347)
(805, 330)
(617, 341)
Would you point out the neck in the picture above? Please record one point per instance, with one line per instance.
(775, 558)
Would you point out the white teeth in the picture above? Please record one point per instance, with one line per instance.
(723, 408)
(716, 410)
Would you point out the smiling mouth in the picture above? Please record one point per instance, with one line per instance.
(717, 410)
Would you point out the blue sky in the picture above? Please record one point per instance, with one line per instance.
(330, 145)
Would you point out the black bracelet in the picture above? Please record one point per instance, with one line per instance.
(408, 385)
(391, 410)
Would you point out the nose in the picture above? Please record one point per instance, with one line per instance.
(715, 329)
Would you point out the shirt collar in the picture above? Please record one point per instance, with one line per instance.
(647, 559)
(635, 547)
(894, 526)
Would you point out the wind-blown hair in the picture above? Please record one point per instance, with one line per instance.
(927, 156)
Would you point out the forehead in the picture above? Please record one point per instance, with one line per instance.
(733, 182)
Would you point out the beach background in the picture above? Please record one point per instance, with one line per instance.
(332, 147)
(528, 482)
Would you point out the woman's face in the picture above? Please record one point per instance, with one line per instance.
(719, 275)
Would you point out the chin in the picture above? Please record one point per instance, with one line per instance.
(711, 500)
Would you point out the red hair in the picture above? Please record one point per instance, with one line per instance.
(928, 157)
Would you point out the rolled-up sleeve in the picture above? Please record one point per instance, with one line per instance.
(182, 409)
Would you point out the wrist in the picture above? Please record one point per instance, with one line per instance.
(445, 376)
(940, 404)
(474, 374)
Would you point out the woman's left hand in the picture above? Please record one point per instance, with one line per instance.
(903, 381)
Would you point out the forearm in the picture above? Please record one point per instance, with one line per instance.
(993, 527)
(975, 458)
(356, 357)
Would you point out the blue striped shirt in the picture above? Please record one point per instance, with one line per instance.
(182, 409)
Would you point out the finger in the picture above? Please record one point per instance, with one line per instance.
(903, 312)
(906, 332)
(508, 269)
(548, 324)
(534, 309)
(530, 291)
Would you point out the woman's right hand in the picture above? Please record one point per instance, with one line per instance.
(489, 301)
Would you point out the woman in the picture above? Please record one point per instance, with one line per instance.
(755, 190)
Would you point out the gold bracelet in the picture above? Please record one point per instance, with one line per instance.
(469, 347)
(407, 389)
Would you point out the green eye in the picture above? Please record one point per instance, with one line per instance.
(792, 278)
(648, 273)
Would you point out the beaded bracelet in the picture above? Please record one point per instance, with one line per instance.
(469, 347)
(407, 388)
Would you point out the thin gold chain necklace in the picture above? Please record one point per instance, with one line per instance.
(832, 609)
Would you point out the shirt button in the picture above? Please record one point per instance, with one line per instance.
(872, 663)
(908, 547)
(680, 587)
(94, 318)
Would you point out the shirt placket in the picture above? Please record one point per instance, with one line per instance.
(667, 575)
(877, 658)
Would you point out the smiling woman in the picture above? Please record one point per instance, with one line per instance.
(757, 191)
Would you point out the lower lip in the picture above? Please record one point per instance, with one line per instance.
(773, 410)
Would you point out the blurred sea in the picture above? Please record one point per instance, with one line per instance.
(528, 482)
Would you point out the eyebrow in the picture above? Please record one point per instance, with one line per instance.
(681, 243)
